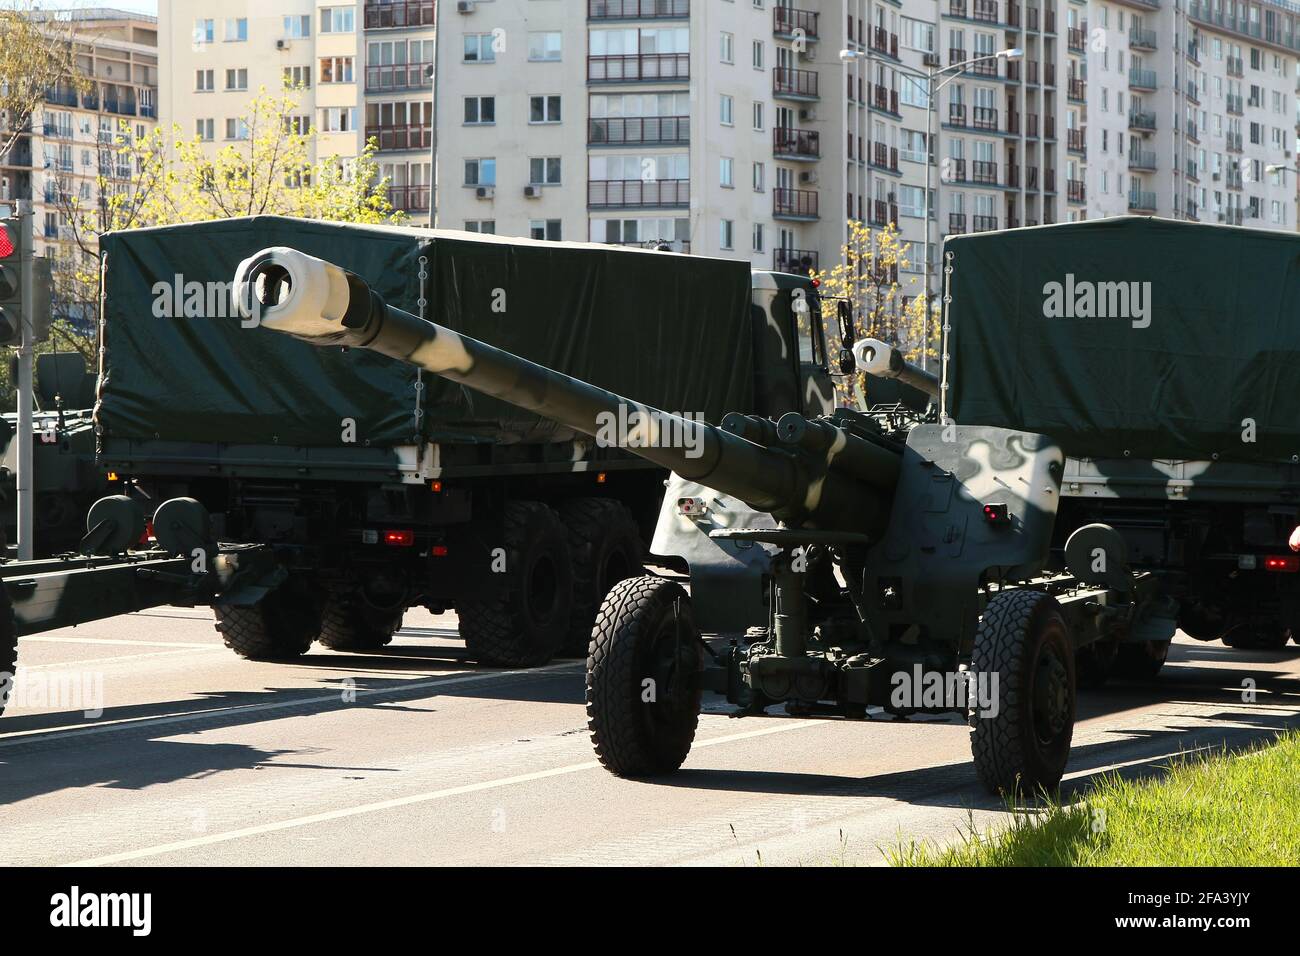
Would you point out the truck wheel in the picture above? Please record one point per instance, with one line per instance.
(279, 627)
(606, 548)
(1257, 637)
(526, 625)
(349, 624)
(1141, 660)
(1024, 640)
(643, 678)
(8, 648)
(1095, 663)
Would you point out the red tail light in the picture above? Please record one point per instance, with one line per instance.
(1289, 563)
(400, 538)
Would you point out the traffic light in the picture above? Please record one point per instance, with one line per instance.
(12, 292)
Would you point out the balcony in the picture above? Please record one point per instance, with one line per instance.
(984, 223)
(1075, 141)
(401, 137)
(787, 23)
(1141, 201)
(1231, 216)
(639, 130)
(884, 42)
(790, 84)
(1074, 39)
(1074, 190)
(120, 107)
(798, 204)
(409, 198)
(985, 11)
(1193, 210)
(61, 96)
(398, 76)
(956, 223)
(1141, 120)
(986, 117)
(957, 8)
(1193, 94)
(1076, 89)
(883, 99)
(639, 68)
(1235, 104)
(390, 16)
(1140, 39)
(884, 213)
(1049, 22)
(1235, 178)
(797, 144)
(956, 114)
(1236, 67)
(952, 170)
(1193, 132)
(985, 173)
(1141, 79)
(1142, 159)
(1193, 52)
(638, 194)
(1193, 171)
(884, 156)
(638, 9)
(798, 262)
(1234, 142)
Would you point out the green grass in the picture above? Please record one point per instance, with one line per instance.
(1220, 810)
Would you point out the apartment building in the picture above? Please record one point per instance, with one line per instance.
(1191, 110)
(68, 146)
(358, 70)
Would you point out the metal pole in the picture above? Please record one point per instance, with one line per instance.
(931, 149)
(433, 159)
(25, 391)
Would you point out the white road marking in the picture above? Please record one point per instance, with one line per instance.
(412, 799)
(39, 736)
(110, 642)
(120, 659)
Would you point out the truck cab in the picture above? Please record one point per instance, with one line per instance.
(790, 346)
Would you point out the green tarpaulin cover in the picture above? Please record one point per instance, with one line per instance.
(1130, 336)
(668, 330)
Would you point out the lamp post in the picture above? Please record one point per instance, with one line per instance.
(931, 91)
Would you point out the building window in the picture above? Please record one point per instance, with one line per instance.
(338, 20)
(758, 237)
(237, 79)
(758, 54)
(486, 227)
(543, 109)
(726, 110)
(336, 69)
(338, 119)
(480, 172)
(204, 81)
(204, 129)
(237, 30)
(727, 48)
(478, 48)
(297, 76)
(548, 229)
(480, 110)
(726, 233)
(758, 116)
(759, 177)
(544, 171)
(545, 47)
(725, 167)
(204, 31)
(297, 27)
(236, 129)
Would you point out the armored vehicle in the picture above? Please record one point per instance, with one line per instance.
(380, 487)
(840, 567)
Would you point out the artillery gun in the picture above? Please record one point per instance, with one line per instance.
(839, 571)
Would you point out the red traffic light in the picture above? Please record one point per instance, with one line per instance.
(7, 247)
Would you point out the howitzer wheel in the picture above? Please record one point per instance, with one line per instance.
(279, 627)
(606, 548)
(8, 648)
(1141, 660)
(349, 624)
(1024, 640)
(643, 678)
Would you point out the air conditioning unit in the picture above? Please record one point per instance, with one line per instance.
(465, 6)
(809, 177)
(282, 44)
(808, 113)
(1215, 177)
(930, 59)
(532, 191)
(484, 192)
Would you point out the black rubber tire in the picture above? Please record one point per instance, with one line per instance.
(349, 624)
(1023, 638)
(280, 627)
(1094, 664)
(605, 546)
(8, 648)
(634, 737)
(526, 624)
(1256, 638)
(1141, 660)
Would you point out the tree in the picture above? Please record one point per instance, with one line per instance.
(867, 275)
(37, 54)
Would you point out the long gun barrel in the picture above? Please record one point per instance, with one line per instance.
(288, 291)
(884, 361)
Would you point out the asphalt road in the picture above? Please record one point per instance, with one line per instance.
(416, 756)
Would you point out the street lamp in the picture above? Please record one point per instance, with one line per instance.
(931, 91)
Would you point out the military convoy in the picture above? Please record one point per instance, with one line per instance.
(1030, 525)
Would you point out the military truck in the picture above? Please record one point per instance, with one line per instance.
(380, 487)
(1164, 357)
(834, 566)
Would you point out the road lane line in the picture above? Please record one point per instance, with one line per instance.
(110, 642)
(411, 800)
(39, 736)
(120, 659)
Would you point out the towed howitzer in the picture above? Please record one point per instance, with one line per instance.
(850, 571)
